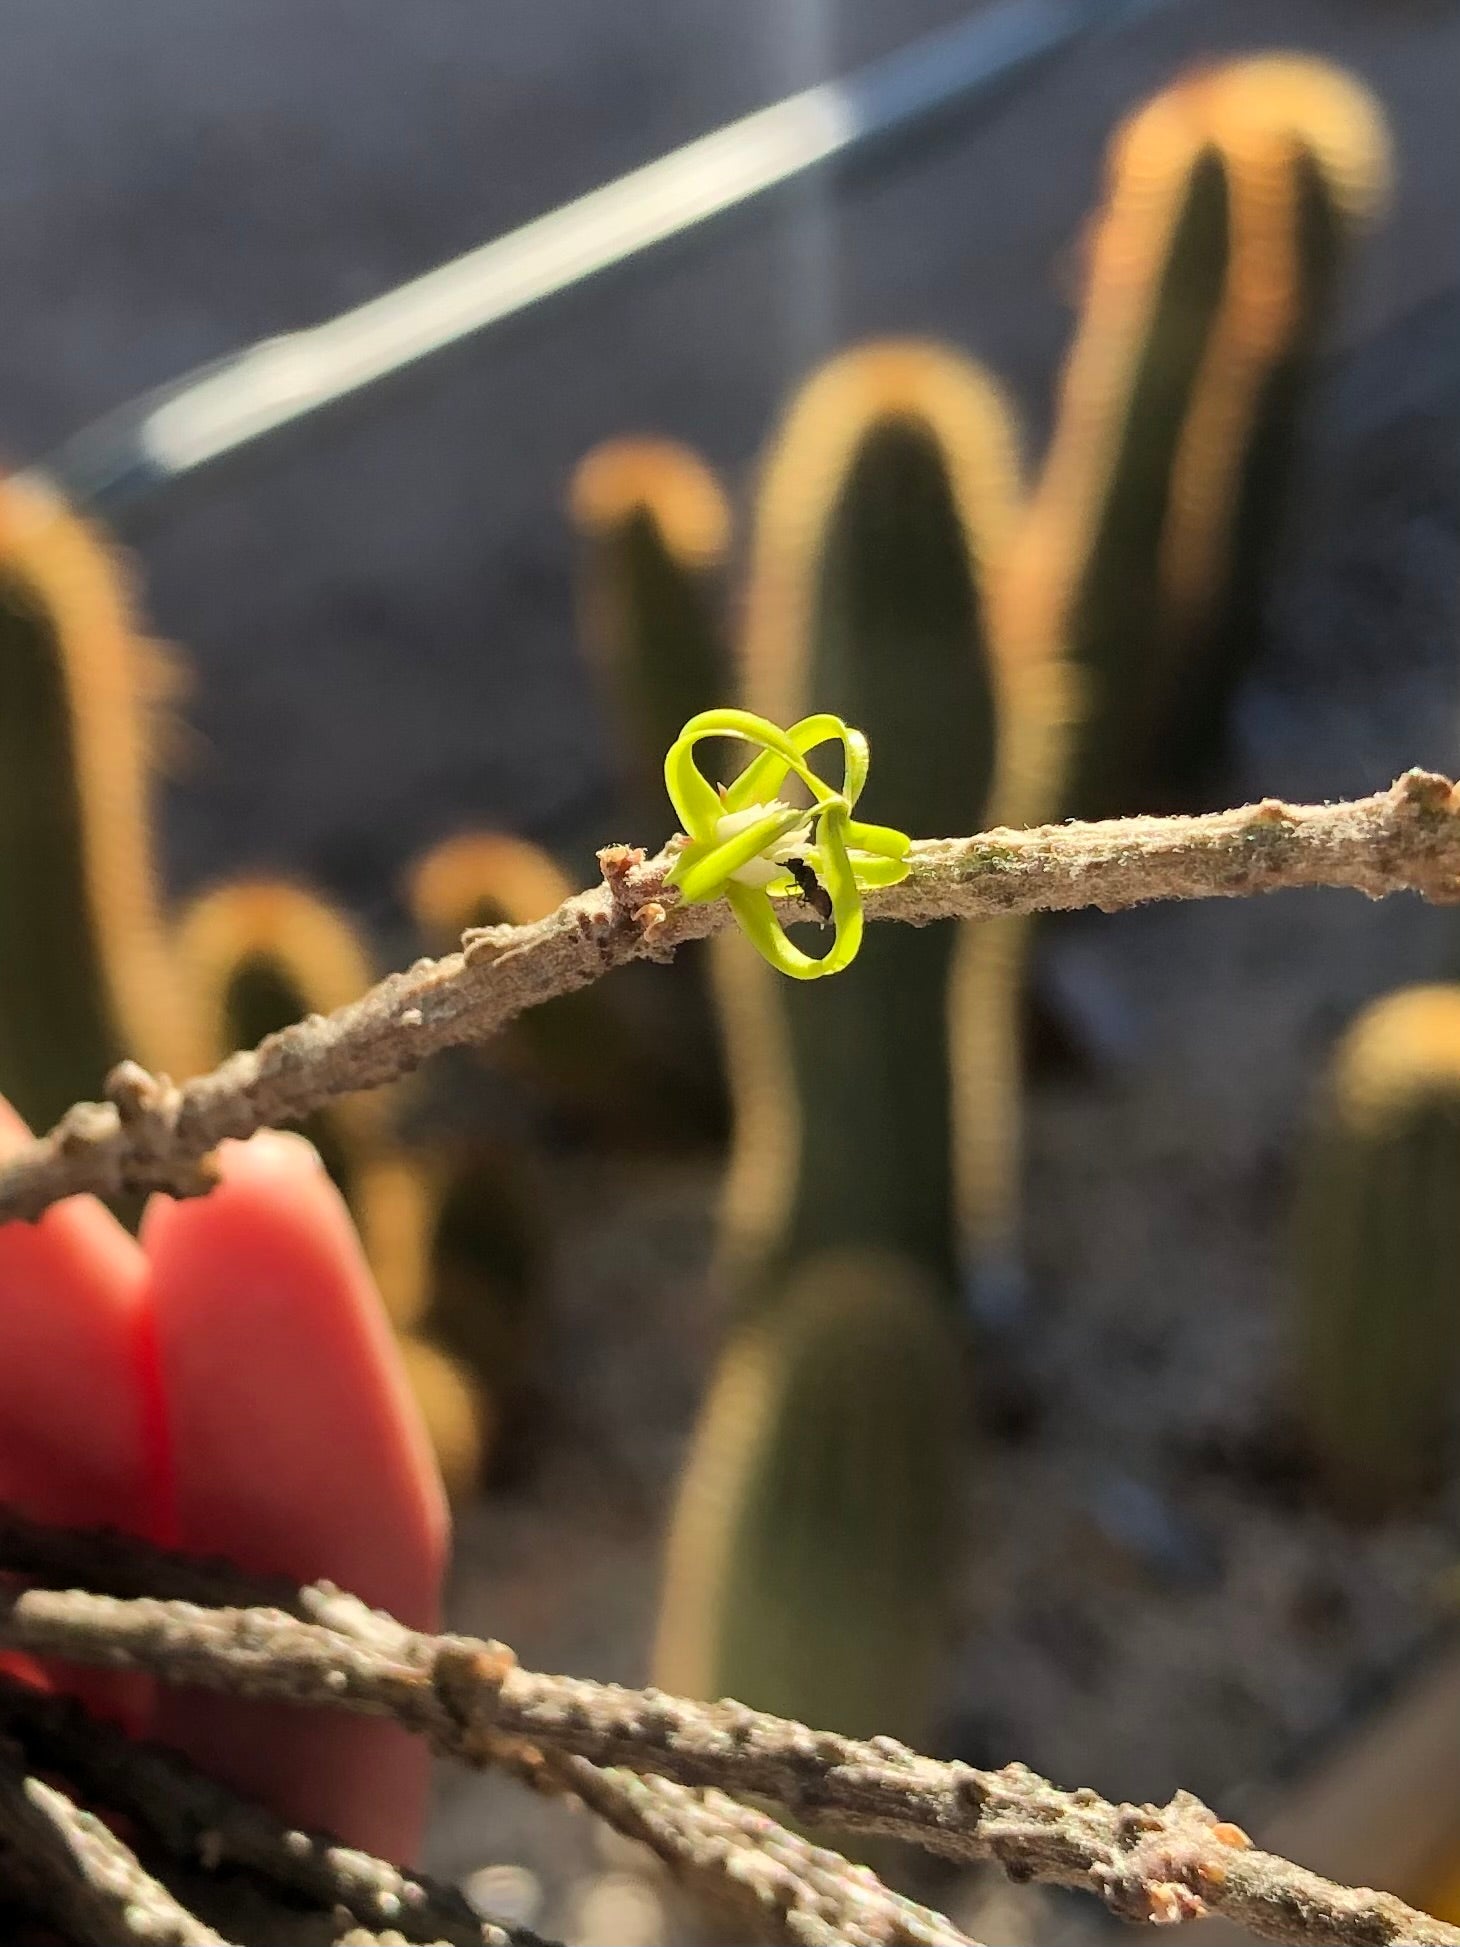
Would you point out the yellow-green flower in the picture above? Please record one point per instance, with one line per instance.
(747, 844)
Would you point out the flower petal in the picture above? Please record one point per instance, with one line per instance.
(758, 921)
(299, 1452)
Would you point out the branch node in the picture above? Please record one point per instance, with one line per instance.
(1428, 791)
(467, 1679)
(1272, 811)
(86, 1126)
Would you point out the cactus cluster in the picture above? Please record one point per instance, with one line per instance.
(1377, 1339)
(1010, 659)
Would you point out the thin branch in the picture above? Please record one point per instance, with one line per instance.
(201, 1822)
(783, 1888)
(150, 1134)
(1156, 1864)
(81, 1876)
(780, 1885)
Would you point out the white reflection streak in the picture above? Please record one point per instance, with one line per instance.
(282, 377)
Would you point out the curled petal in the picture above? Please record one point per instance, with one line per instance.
(846, 855)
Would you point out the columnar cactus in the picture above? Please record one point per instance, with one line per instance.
(495, 879)
(482, 1241)
(86, 975)
(1147, 555)
(654, 529)
(817, 1518)
(814, 1510)
(1307, 160)
(259, 954)
(887, 509)
(1378, 1237)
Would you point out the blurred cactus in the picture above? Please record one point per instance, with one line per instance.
(259, 954)
(482, 1243)
(456, 1410)
(655, 528)
(808, 1563)
(817, 1526)
(888, 505)
(482, 1252)
(1151, 540)
(482, 879)
(86, 975)
(568, 1050)
(1378, 1233)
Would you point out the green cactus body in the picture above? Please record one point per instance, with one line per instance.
(1308, 165)
(568, 1051)
(261, 954)
(482, 1240)
(85, 972)
(1149, 550)
(654, 529)
(810, 1560)
(1086, 572)
(1378, 1235)
(887, 501)
(483, 1253)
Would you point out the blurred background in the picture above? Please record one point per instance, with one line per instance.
(1045, 1342)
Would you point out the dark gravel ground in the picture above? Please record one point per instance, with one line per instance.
(379, 613)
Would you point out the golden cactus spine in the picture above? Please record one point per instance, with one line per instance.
(1378, 1255)
(1147, 555)
(86, 975)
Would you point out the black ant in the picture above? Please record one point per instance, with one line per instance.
(811, 889)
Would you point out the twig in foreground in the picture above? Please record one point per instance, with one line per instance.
(782, 1889)
(1147, 1863)
(149, 1134)
(78, 1873)
(779, 1884)
(202, 1822)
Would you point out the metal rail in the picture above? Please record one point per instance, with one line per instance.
(168, 434)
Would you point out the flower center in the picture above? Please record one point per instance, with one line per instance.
(768, 864)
